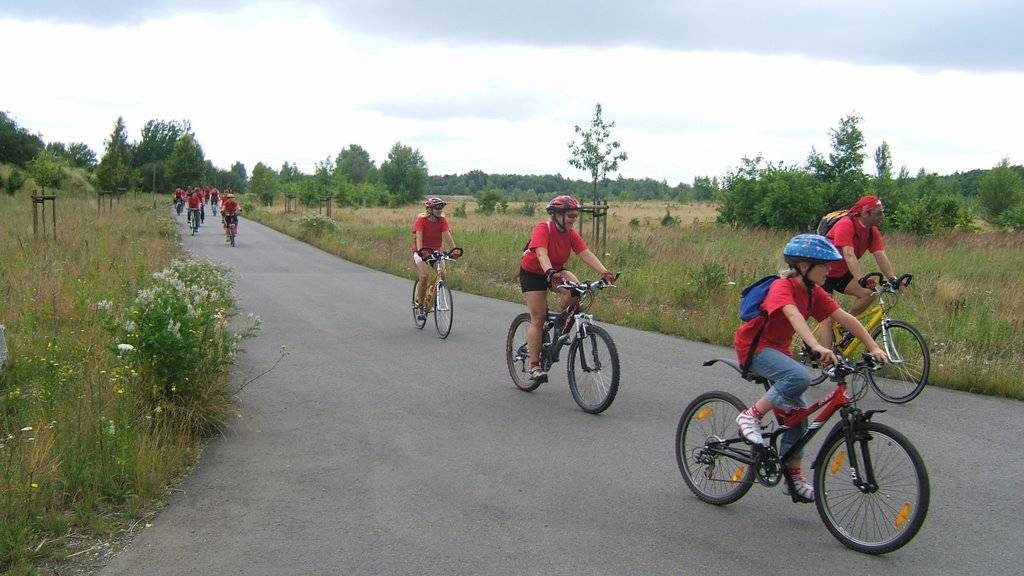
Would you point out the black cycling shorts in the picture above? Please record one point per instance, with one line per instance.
(531, 282)
(837, 284)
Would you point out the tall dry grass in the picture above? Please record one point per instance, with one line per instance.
(77, 445)
(685, 278)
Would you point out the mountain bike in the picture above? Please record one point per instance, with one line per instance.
(593, 361)
(193, 220)
(438, 297)
(906, 374)
(871, 486)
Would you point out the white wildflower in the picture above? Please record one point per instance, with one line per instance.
(26, 429)
(104, 305)
(129, 326)
(125, 347)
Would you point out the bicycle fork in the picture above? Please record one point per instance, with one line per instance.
(862, 472)
(889, 346)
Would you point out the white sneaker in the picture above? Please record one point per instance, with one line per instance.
(802, 490)
(750, 427)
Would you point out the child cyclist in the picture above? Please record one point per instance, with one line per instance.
(791, 299)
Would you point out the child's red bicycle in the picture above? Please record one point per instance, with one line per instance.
(871, 487)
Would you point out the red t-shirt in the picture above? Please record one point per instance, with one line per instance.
(431, 231)
(229, 206)
(179, 194)
(850, 232)
(195, 201)
(778, 334)
(559, 244)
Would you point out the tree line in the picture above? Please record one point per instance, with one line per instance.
(761, 194)
(758, 193)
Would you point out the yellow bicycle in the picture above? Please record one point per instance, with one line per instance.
(438, 298)
(906, 374)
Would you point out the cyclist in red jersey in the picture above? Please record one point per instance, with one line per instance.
(855, 234)
(195, 203)
(229, 210)
(763, 345)
(542, 269)
(430, 230)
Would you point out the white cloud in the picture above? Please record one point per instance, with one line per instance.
(274, 83)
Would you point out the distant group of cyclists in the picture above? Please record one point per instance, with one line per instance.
(196, 200)
(817, 267)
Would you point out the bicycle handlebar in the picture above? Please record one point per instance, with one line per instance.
(844, 367)
(581, 287)
(891, 285)
(453, 254)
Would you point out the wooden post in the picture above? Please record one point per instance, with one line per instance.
(39, 214)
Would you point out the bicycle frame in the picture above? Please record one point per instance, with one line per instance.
(556, 340)
(837, 400)
(438, 273)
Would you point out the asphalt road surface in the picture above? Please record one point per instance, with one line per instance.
(377, 448)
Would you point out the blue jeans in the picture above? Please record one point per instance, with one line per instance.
(789, 381)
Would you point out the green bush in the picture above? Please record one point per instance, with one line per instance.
(317, 225)
(459, 211)
(668, 219)
(174, 338)
(528, 209)
(488, 200)
(15, 180)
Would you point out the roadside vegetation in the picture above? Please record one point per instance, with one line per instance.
(683, 272)
(115, 372)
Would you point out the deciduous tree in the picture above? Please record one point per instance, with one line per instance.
(114, 171)
(404, 174)
(596, 153)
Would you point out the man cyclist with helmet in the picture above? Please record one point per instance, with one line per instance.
(429, 231)
(763, 344)
(195, 202)
(541, 269)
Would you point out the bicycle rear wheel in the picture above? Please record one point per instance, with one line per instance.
(516, 354)
(596, 382)
(704, 426)
(419, 315)
(444, 310)
(879, 520)
(906, 374)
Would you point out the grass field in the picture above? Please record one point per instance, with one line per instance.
(89, 434)
(684, 278)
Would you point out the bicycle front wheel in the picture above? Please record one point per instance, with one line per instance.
(419, 316)
(517, 355)
(906, 374)
(443, 310)
(593, 367)
(882, 518)
(705, 425)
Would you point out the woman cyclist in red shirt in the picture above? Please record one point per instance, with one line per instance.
(429, 231)
(541, 269)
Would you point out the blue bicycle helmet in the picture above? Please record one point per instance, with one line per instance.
(810, 248)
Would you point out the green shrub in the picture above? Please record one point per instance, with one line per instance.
(459, 211)
(173, 339)
(15, 180)
(317, 225)
(668, 219)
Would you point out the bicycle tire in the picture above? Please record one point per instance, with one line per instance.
(418, 320)
(711, 416)
(883, 520)
(904, 380)
(516, 355)
(595, 388)
(444, 310)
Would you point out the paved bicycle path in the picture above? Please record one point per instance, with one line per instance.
(376, 448)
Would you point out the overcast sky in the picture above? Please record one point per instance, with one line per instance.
(693, 86)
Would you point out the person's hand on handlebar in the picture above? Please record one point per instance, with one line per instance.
(608, 278)
(554, 277)
(826, 357)
(879, 355)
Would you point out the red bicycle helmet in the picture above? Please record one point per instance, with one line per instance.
(562, 203)
(432, 203)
